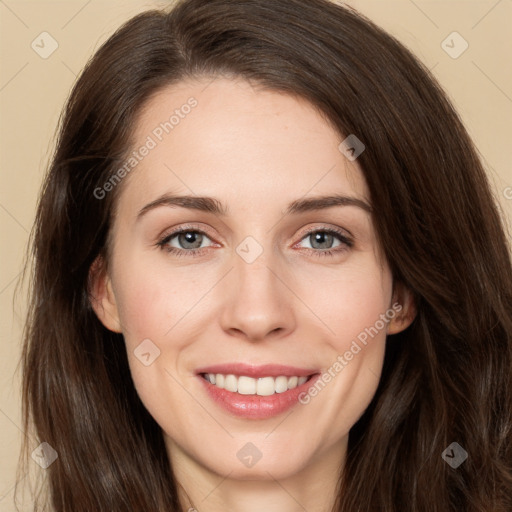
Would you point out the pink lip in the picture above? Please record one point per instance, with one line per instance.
(265, 370)
(254, 406)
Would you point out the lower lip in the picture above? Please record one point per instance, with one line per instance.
(255, 406)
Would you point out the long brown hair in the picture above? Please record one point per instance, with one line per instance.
(447, 378)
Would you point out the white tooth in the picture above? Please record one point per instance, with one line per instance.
(266, 386)
(281, 384)
(230, 383)
(219, 380)
(246, 385)
(292, 382)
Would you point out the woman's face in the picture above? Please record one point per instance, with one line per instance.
(269, 279)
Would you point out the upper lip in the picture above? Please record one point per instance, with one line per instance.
(256, 371)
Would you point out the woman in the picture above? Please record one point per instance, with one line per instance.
(250, 371)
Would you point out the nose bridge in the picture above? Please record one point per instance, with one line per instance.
(255, 280)
(258, 301)
(255, 277)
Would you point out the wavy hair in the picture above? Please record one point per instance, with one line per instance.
(447, 378)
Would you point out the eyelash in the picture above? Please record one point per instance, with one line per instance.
(162, 243)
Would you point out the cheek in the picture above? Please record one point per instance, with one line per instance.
(156, 305)
(149, 307)
(151, 301)
(353, 308)
(348, 300)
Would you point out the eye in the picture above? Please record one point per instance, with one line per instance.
(188, 241)
(184, 241)
(321, 241)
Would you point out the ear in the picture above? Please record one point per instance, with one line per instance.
(404, 305)
(101, 295)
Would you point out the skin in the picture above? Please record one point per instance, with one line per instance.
(256, 151)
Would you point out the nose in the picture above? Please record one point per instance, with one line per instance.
(257, 300)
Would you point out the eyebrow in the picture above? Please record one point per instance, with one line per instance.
(213, 205)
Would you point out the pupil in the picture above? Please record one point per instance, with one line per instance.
(321, 238)
(190, 238)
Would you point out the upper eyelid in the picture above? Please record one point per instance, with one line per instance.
(173, 232)
(337, 230)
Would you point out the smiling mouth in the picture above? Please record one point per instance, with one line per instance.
(262, 386)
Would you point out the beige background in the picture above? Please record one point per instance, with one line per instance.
(33, 90)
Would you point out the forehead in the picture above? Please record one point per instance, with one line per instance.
(228, 139)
